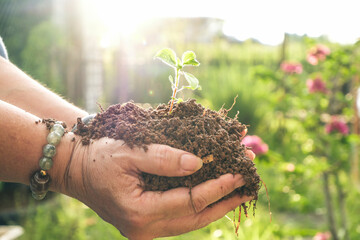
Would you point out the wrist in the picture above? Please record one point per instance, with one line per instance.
(60, 172)
(68, 176)
(41, 181)
(61, 161)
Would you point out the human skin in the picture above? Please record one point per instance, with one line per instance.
(105, 175)
(19, 89)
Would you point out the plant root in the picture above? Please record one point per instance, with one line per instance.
(268, 198)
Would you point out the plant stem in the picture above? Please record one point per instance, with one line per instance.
(356, 130)
(342, 206)
(177, 76)
(330, 209)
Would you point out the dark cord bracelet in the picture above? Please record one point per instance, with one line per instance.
(40, 180)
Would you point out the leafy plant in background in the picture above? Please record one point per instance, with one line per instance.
(329, 92)
(168, 56)
(313, 108)
(46, 67)
(334, 89)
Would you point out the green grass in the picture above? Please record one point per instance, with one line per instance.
(66, 218)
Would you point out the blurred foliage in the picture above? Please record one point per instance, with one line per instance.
(48, 66)
(35, 44)
(65, 218)
(17, 19)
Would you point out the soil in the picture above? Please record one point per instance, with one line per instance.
(211, 135)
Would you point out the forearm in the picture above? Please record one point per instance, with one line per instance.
(21, 143)
(20, 90)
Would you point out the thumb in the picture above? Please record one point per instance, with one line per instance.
(163, 160)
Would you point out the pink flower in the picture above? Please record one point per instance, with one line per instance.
(317, 53)
(290, 68)
(312, 59)
(256, 144)
(316, 85)
(322, 236)
(337, 124)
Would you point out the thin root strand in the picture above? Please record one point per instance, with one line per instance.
(238, 223)
(228, 110)
(268, 198)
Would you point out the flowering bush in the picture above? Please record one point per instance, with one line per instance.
(300, 131)
(316, 85)
(291, 68)
(256, 144)
(337, 124)
(317, 53)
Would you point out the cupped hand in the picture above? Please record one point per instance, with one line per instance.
(105, 175)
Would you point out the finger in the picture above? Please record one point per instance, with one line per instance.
(178, 202)
(243, 133)
(196, 221)
(163, 160)
(250, 154)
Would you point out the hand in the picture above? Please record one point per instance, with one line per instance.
(106, 176)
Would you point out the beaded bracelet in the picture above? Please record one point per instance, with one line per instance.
(39, 181)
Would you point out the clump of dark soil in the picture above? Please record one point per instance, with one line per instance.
(208, 134)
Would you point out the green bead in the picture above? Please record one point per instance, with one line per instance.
(54, 138)
(45, 163)
(38, 196)
(49, 150)
(58, 128)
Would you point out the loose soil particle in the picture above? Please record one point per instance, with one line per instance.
(211, 135)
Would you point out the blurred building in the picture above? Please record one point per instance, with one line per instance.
(85, 70)
(198, 30)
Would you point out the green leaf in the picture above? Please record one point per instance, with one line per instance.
(189, 87)
(179, 100)
(179, 64)
(167, 56)
(192, 80)
(189, 58)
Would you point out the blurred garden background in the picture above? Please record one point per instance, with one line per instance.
(298, 92)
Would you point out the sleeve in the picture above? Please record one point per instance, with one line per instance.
(3, 52)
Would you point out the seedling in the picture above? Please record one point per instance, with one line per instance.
(168, 56)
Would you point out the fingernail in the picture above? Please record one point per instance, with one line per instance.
(190, 162)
